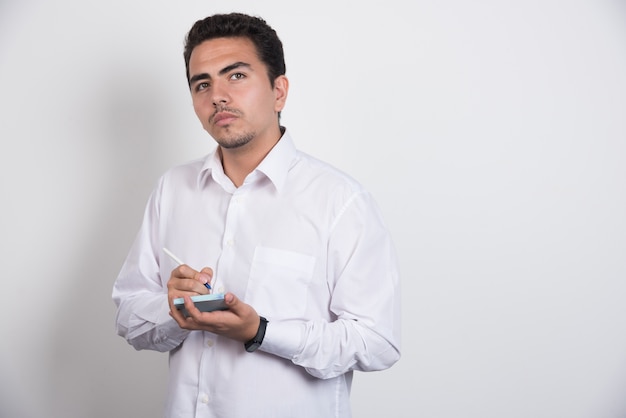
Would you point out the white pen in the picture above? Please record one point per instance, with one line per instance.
(173, 257)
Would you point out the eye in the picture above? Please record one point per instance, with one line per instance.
(237, 76)
(202, 86)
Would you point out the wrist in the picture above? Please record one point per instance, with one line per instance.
(256, 341)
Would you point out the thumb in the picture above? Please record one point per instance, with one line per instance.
(231, 300)
(205, 275)
(233, 303)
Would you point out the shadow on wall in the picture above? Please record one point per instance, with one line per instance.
(94, 372)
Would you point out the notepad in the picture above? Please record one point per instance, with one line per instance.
(204, 303)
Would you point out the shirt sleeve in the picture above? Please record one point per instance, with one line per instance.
(141, 298)
(363, 276)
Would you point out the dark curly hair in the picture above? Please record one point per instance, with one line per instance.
(268, 46)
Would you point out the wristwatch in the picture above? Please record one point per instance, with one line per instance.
(256, 341)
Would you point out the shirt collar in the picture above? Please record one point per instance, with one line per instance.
(274, 166)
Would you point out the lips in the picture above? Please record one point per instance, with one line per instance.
(223, 118)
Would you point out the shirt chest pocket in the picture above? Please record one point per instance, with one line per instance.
(279, 282)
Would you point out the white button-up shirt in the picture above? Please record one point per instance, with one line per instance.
(302, 243)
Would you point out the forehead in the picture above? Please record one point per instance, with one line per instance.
(220, 52)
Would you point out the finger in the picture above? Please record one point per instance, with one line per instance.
(204, 279)
(207, 272)
(187, 287)
(231, 301)
(185, 272)
(191, 308)
(177, 314)
(188, 321)
(185, 279)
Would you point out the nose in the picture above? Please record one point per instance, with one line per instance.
(219, 94)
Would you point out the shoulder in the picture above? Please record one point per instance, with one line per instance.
(188, 168)
(184, 172)
(323, 174)
(180, 178)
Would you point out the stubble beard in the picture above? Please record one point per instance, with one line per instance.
(235, 140)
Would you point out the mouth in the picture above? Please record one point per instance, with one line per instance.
(222, 118)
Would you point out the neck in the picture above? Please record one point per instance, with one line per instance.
(241, 161)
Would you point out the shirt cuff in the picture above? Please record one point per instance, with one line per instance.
(283, 338)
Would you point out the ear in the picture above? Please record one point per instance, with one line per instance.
(281, 88)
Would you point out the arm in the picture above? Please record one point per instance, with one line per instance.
(139, 293)
(364, 282)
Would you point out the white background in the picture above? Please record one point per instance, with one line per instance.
(492, 133)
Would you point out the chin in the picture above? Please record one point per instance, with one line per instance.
(233, 141)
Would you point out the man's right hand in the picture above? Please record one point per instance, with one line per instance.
(185, 281)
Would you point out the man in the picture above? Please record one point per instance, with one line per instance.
(298, 248)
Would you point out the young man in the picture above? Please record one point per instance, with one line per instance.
(298, 248)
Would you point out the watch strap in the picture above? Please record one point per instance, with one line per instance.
(257, 340)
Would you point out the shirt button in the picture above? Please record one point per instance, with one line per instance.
(210, 343)
(230, 242)
(220, 289)
(204, 398)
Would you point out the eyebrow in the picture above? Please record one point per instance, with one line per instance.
(228, 68)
